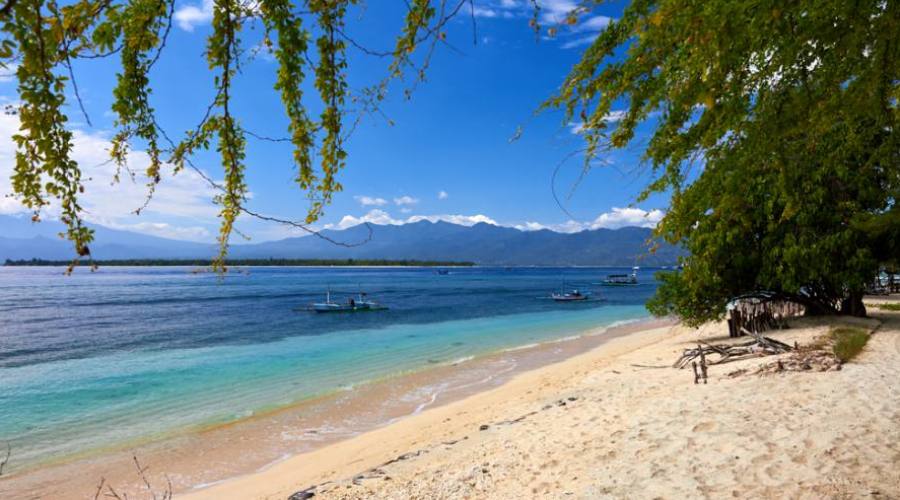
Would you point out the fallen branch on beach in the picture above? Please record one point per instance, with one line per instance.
(6, 458)
(807, 359)
(758, 347)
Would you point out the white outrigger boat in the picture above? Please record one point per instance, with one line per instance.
(358, 304)
(572, 296)
(621, 279)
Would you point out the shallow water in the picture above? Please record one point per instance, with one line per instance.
(130, 354)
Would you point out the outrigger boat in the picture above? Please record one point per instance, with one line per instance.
(569, 296)
(621, 279)
(359, 304)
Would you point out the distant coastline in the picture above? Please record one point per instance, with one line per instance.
(241, 262)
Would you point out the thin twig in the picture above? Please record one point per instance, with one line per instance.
(266, 138)
(165, 36)
(6, 459)
(99, 488)
(142, 473)
(553, 181)
(68, 64)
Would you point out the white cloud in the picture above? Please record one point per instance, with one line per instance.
(162, 229)
(378, 216)
(375, 216)
(576, 127)
(551, 11)
(405, 200)
(573, 43)
(185, 195)
(481, 11)
(570, 226)
(614, 219)
(8, 74)
(530, 226)
(189, 16)
(551, 14)
(462, 220)
(593, 24)
(368, 201)
(621, 217)
(614, 116)
(490, 10)
(442, 195)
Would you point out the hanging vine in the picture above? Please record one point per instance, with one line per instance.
(43, 39)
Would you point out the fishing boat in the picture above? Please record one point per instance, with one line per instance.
(621, 279)
(359, 304)
(443, 272)
(571, 296)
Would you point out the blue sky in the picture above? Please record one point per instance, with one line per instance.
(447, 156)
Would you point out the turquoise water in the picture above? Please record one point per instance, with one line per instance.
(129, 354)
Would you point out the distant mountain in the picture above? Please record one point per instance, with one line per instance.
(484, 244)
(22, 239)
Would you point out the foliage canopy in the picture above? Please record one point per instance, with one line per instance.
(43, 37)
(776, 134)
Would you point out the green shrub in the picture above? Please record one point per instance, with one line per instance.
(848, 342)
(889, 307)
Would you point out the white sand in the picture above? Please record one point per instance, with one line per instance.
(631, 432)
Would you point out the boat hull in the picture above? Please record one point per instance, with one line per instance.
(570, 299)
(340, 308)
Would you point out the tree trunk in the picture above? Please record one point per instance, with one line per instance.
(852, 305)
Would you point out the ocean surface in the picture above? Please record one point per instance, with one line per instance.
(125, 355)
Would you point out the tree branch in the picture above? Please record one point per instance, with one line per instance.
(7, 8)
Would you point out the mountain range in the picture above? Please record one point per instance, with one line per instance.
(484, 244)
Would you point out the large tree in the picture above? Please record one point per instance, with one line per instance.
(775, 133)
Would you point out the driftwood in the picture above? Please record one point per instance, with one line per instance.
(818, 360)
(758, 347)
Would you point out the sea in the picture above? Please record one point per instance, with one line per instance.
(125, 355)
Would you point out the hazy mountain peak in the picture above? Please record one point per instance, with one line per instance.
(483, 243)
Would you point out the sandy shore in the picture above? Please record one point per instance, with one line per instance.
(597, 426)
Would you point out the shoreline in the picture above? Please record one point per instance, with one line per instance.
(283, 433)
(604, 424)
(347, 458)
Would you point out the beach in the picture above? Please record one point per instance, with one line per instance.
(598, 426)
